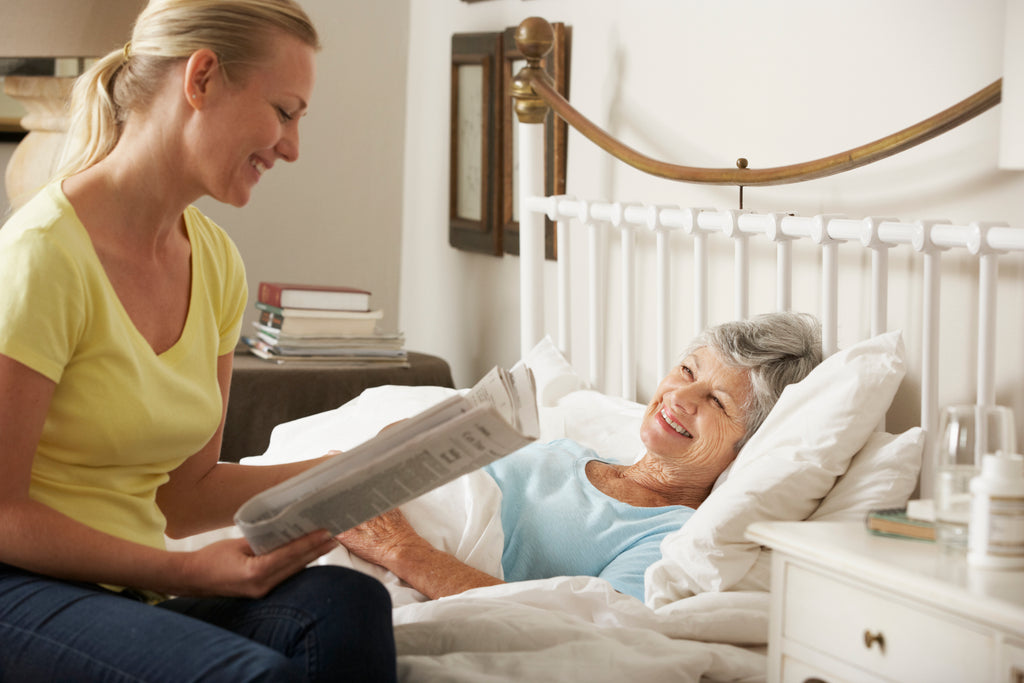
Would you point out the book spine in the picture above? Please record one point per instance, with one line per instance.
(270, 294)
(271, 319)
(270, 309)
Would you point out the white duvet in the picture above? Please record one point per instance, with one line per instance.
(571, 629)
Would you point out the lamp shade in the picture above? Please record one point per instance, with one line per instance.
(66, 28)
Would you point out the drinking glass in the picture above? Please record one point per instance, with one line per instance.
(965, 434)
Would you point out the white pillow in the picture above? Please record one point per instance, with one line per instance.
(881, 475)
(784, 470)
(554, 375)
(348, 425)
(608, 424)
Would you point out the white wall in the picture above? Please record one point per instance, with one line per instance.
(704, 83)
(334, 216)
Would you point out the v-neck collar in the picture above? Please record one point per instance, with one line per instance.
(174, 349)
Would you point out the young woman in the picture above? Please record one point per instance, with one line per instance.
(120, 310)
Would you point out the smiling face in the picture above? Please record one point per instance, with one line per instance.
(254, 123)
(696, 416)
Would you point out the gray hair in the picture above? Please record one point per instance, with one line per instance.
(776, 349)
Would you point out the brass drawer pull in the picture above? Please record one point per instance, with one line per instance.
(872, 638)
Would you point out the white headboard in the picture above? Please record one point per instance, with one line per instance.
(655, 246)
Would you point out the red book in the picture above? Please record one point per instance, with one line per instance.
(326, 297)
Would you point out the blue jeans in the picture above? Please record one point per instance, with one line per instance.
(323, 624)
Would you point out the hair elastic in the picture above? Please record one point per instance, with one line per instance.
(127, 52)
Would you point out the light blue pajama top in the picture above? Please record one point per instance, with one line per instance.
(556, 523)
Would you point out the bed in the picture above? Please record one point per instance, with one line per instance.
(706, 610)
(824, 453)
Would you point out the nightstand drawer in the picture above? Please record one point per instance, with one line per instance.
(879, 633)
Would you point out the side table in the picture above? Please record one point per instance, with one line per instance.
(848, 605)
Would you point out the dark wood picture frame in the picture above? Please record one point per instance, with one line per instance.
(473, 200)
(556, 133)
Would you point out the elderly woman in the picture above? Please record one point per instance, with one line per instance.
(567, 511)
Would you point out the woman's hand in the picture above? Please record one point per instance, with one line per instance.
(230, 568)
(380, 539)
(390, 541)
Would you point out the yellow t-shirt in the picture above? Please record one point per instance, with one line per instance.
(122, 417)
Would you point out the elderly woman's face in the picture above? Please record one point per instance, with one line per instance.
(696, 413)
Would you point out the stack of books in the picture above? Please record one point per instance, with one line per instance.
(322, 323)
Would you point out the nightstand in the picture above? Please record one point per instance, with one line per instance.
(848, 605)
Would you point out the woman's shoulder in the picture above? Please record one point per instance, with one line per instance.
(205, 228)
(44, 228)
(48, 210)
(209, 238)
(562, 449)
(561, 456)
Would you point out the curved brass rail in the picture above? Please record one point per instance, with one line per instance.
(532, 40)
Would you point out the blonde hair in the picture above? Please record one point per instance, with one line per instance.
(165, 33)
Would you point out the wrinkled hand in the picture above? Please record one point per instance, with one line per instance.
(230, 568)
(379, 539)
(390, 541)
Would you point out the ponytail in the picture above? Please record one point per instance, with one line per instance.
(96, 120)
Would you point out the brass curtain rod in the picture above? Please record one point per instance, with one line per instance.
(532, 89)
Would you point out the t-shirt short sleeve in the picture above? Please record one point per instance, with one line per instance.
(43, 304)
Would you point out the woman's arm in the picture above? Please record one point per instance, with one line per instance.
(203, 493)
(40, 539)
(390, 541)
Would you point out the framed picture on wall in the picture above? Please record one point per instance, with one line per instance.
(473, 201)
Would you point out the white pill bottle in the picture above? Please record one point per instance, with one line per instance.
(996, 532)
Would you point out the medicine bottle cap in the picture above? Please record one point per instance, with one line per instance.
(1003, 465)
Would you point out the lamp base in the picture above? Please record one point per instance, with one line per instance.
(34, 160)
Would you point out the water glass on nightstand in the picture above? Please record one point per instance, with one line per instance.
(965, 434)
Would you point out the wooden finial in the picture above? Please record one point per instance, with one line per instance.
(534, 37)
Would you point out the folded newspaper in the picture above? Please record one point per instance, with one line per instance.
(461, 434)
